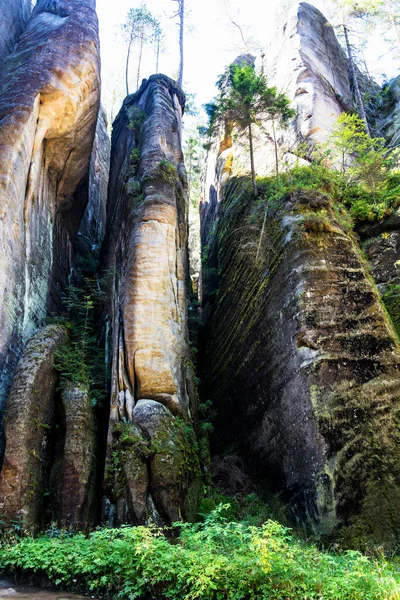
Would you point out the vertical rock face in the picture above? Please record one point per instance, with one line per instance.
(74, 471)
(146, 246)
(307, 64)
(48, 111)
(29, 427)
(299, 350)
(14, 16)
(310, 67)
(302, 357)
(92, 227)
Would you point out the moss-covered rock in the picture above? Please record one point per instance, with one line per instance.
(301, 356)
(153, 472)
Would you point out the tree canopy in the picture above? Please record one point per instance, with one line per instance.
(246, 100)
(142, 28)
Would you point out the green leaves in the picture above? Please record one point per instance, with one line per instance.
(372, 187)
(246, 100)
(217, 559)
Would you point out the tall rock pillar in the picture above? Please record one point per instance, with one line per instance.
(152, 470)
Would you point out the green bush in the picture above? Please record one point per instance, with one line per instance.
(353, 195)
(215, 559)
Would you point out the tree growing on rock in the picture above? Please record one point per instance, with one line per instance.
(140, 27)
(362, 158)
(181, 15)
(246, 100)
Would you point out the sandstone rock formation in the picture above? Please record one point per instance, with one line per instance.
(48, 111)
(14, 17)
(92, 227)
(298, 348)
(29, 428)
(301, 356)
(74, 471)
(389, 119)
(146, 245)
(309, 66)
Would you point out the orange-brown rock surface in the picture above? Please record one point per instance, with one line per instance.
(147, 250)
(48, 110)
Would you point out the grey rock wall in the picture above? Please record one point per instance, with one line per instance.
(14, 17)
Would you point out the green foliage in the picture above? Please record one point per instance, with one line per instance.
(246, 100)
(216, 559)
(142, 28)
(371, 188)
(137, 118)
(82, 361)
(167, 172)
(193, 154)
(391, 300)
(134, 158)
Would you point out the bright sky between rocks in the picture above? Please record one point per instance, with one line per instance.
(212, 41)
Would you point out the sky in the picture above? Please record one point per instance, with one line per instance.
(212, 41)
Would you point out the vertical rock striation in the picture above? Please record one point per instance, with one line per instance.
(298, 348)
(92, 227)
(309, 66)
(301, 355)
(73, 479)
(48, 110)
(305, 62)
(14, 17)
(146, 242)
(29, 428)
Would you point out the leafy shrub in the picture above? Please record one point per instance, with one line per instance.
(137, 118)
(82, 361)
(216, 559)
(134, 158)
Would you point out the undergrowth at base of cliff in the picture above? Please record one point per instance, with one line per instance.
(215, 559)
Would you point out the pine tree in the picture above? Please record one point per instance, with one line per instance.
(246, 100)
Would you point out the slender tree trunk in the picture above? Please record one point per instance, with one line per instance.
(127, 68)
(276, 148)
(253, 172)
(157, 54)
(355, 81)
(181, 30)
(139, 64)
(392, 21)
